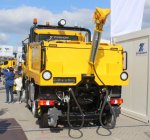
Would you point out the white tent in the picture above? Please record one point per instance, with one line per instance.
(126, 16)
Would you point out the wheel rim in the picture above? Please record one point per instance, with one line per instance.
(33, 108)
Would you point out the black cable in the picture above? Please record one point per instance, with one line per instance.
(113, 120)
(106, 101)
(98, 76)
(68, 112)
(75, 137)
(101, 134)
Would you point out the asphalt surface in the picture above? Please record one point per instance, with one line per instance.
(11, 130)
(126, 128)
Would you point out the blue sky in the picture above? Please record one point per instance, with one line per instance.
(16, 16)
(55, 5)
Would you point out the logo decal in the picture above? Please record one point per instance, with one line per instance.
(141, 49)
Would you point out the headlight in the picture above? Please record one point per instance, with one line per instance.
(124, 76)
(62, 22)
(47, 75)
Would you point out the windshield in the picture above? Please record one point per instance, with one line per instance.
(5, 62)
(55, 37)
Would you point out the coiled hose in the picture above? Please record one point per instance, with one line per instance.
(106, 101)
(68, 112)
(113, 120)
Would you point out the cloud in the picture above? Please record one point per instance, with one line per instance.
(106, 31)
(19, 20)
(146, 19)
(16, 22)
(3, 38)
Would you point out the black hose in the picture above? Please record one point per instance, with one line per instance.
(68, 112)
(113, 120)
(98, 76)
(106, 101)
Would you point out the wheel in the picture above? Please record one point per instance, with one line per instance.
(27, 93)
(43, 121)
(108, 120)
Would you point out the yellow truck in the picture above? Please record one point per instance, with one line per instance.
(8, 63)
(69, 78)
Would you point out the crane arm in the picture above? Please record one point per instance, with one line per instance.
(100, 16)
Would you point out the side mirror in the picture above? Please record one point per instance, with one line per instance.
(43, 58)
(24, 47)
(24, 57)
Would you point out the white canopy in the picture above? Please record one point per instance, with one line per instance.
(126, 16)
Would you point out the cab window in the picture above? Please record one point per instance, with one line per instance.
(5, 62)
(55, 37)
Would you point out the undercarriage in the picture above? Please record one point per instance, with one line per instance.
(85, 103)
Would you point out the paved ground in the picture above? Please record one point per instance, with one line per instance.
(9, 129)
(126, 129)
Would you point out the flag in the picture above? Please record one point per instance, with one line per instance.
(126, 16)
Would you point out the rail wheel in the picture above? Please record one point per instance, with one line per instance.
(108, 120)
(43, 121)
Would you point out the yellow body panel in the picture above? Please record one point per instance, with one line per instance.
(65, 58)
(68, 59)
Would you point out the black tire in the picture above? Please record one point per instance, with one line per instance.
(43, 121)
(107, 120)
(27, 93)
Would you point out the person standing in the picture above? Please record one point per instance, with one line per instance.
(9, 82)
(18, 84)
